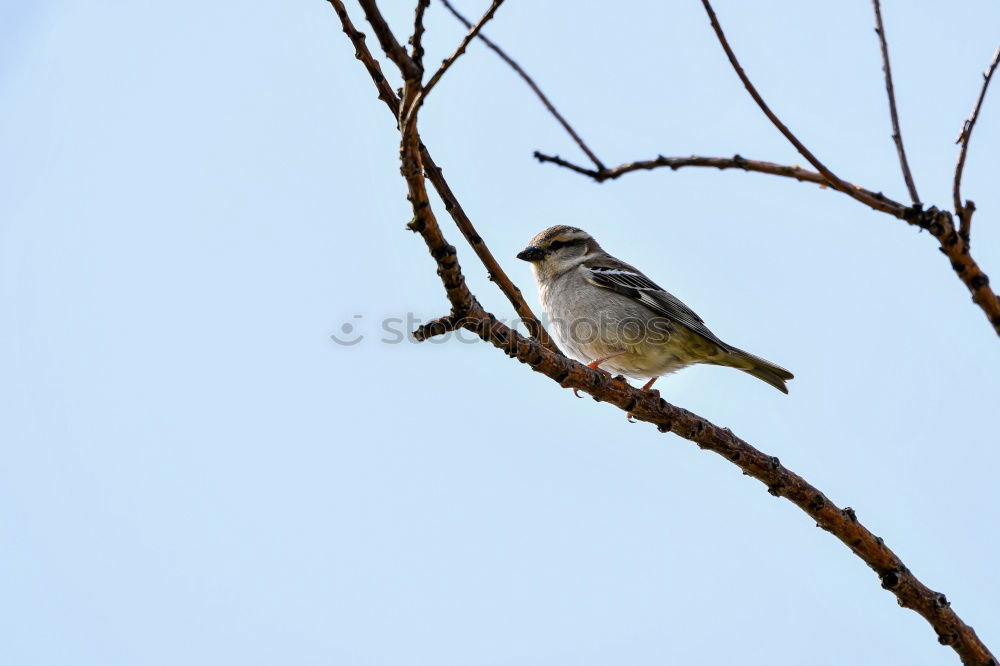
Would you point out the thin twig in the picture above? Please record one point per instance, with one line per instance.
(887, 205)
(411, 112)
(965, 210)
(897, 135)
(648, 406)
(448, 62)
(834, 181)
(531, 84)
(361, 52)
(416, 40)
(734, 162)
(387, 40)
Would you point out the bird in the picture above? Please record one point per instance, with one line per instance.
(609, 315)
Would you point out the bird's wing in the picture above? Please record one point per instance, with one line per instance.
(628, 281)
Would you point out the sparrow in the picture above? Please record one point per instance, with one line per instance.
(609, 315)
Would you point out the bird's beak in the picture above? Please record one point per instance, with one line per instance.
(531, 254)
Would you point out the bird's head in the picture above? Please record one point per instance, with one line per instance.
(558, 249)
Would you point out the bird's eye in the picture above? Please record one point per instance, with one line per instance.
(555, 245)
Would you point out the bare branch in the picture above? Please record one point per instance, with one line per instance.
(387, 40)
(451, 203)
(416, 158)
(531, 84)
(939, 223)
(361, 52)
(411, 112)
(734, 162)
(438, 326)
(964, 211)
(648, 406)
(493, 269)
(834, 181)
(897, 135)
(416, 40)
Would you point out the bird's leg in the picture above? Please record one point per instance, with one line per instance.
(648, 385)
(593, 365)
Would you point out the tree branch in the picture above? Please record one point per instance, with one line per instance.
(531, 84)
(734, 162)
(832, 178)
(493, 269)
(411, 114)
(938, 222)
(438, 326)
(897, 135)
(889, 206)
(387, 40)
(964, 211)
(361, 52)
(648, 406)
(418, 32)
(451, 203)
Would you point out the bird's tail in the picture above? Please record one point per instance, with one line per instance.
(764, 370)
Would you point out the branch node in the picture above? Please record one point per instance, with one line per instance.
(890, 579)
(964, 214)
(979, 281)
(897, 135)
(817, 502)
(417, 224)
(438, 326)
(835, 182)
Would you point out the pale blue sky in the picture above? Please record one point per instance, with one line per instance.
(198, 194)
